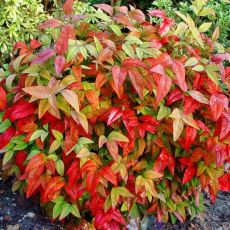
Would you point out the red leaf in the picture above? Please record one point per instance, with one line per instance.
(119, 75)
(32, 186)
(36, 161)
(137, 82)
(190, 105)
(6, 137)
(179, 71)
(190, 135)
(149, 119)
(34, 44)
(115, 114)
(68, 7)
(225, 125)
(43, 56)
(107, 8)
(189, 173)
(3, 99)
(52, 189)
(157, 13)
(20, 45)
(19, 160)
(165, 26)
(59, 63)
(162, 161)
(132, 62)
(105, 55)
(50, 23)
(109, 175)
(130, 119)
(20, 110)
(137, 15)
(122, 19)
(158, 69)
(171, 163)
(116, 215)
(67, 33)
(224, 182)
(71, 137)
(197, 154)
(100, 80)
(163, 87)
(218, 102)
(27, 124)
(74, 191)
(174, 96)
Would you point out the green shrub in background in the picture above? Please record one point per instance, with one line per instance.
(218, 12)
(19, 21)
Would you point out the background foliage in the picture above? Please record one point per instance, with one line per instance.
(19, 18)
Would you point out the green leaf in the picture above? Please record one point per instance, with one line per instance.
(194, 31)
(124, 192)
(114, 197)
(32, 153)
(198, 68)
(85, 141)
(7, 157)
(54, 146)
(107, 203)
(57, 134)
(134, 212)
(66, 209)
(53, 157)
(99, 46)
(205, 26)
(59, 165)
(83, 51)
(72, 50)
(212, 74)
(58, 200)
(5, 125)
(75, 211)
(133, 40)
(116, 136)
(163, 112)
(191, 62)
(116, 29)
(20, 146)
(57, 209)
(128, 50)
(18, 139)
(37, 134)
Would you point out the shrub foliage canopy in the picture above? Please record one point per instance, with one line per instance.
(117, 118)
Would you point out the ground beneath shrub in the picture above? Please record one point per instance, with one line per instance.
(16, 213)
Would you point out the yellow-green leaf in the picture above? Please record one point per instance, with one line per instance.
(59, 165)
(205, 26)
(178, 126)
(191, 62)
(116, 136)
(54, 146)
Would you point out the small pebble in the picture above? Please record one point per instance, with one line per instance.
(30, 214)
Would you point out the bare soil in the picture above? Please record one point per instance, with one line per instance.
(17, 213)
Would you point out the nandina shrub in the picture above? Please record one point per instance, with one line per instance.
(117, 119)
